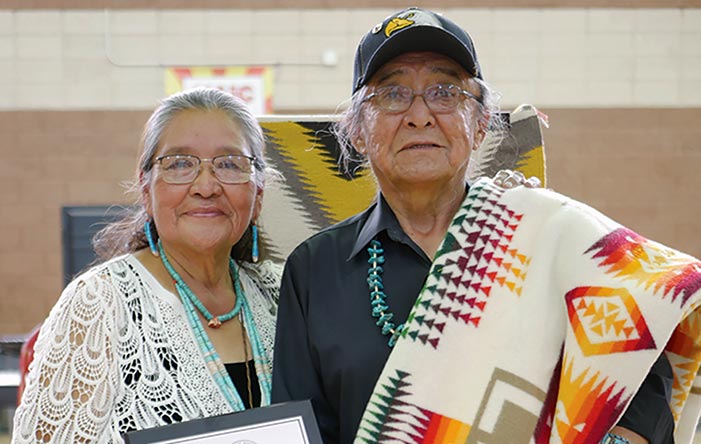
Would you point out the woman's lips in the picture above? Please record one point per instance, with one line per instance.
(205, 212)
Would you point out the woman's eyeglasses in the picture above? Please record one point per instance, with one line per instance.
(443, 98)
(181, 169)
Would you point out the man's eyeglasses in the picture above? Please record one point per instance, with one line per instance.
(443, 98)
(180, 169)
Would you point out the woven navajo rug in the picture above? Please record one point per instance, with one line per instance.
(316, 194)
(538, 322)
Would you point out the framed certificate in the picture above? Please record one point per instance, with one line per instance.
(287, 423)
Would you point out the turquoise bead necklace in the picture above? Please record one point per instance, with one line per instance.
(212, 321)
(210, 355)
(380, 309)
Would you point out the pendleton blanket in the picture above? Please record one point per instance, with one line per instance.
(538, 322)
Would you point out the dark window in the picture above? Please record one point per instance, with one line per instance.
(78, 226)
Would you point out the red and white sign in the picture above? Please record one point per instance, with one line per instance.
(251, 84)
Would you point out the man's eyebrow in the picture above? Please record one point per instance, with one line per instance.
(447, 70)
(390, 74)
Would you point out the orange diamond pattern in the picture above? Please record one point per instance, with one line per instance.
(607, 320)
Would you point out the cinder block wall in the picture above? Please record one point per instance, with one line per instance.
(619, 84)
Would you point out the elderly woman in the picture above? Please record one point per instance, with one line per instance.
(419, 107)
(178, 322)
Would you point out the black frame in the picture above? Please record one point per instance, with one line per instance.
(227, 426)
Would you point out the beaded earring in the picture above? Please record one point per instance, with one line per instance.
(254, 249)
(149, 238)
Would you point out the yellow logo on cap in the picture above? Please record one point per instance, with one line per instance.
(398, 23)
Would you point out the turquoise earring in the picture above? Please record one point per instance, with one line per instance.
(254, 249)
(149, 238)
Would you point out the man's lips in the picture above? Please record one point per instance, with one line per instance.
(419, 146)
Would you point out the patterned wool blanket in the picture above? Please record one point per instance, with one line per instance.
(538, 322)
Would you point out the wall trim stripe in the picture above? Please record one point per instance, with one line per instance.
(330, 4)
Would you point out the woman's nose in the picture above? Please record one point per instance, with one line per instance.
(206, 182)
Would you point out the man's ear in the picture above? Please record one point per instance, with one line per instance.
(479, 138)
(359, 145)
(482, 126)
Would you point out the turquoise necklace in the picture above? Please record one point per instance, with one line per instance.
(210, 355)
(212, 321)
(380, 309)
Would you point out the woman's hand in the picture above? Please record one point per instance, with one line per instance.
(509, 179)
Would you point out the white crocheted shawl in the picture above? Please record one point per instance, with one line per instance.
(116, 353)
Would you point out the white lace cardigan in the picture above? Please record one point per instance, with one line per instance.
(117, 353)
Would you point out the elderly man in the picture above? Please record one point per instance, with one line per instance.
(419, 107)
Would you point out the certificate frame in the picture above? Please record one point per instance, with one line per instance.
(290, 422)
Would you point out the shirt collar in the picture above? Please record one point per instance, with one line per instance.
(381, 218)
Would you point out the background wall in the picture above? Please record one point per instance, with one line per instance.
(619, 84)
(552, 57)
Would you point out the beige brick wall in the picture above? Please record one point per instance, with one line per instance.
(552, 57)
(50, 160)
(639, 166)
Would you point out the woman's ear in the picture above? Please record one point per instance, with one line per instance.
(145, 188)
(257, 204)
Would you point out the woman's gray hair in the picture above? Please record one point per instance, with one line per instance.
(127, 234)
(347, 129)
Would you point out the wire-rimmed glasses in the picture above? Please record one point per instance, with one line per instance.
(179, 169)
(440, 98)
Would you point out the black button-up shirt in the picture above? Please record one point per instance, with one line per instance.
(328, 348)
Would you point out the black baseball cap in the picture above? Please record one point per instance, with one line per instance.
(413, 29)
